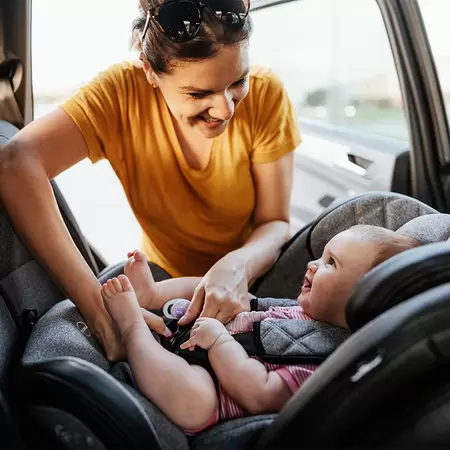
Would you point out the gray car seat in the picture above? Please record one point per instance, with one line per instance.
(70, 392)
(26, 293)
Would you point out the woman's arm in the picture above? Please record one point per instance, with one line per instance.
(224, 287)
(273, 184)
(35, 155)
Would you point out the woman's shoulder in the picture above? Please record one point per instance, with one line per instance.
(266, 89)
(120, 74)
(106, 104)
(125, 68)
(116, 88)
(263, 79)
(262, 73)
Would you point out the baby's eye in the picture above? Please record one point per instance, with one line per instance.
(331, 261)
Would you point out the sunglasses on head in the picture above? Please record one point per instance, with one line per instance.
(180, 20)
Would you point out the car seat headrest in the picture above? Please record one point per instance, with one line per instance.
(396, 280)
(388, 210)
(385, 209)
(406, 274)
(428, 229)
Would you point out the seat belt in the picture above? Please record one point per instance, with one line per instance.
(11, 72)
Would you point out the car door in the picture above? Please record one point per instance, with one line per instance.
(337, 65)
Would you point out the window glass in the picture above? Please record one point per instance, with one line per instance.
(336, 62)
(435, 15)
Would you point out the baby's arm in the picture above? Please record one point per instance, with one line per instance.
(244, 379)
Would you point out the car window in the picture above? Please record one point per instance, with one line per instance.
(435, 15)
(69, 47)
(336, 62)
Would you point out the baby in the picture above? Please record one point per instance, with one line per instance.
(187, 393)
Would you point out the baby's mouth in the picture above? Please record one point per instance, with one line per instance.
(307, 284)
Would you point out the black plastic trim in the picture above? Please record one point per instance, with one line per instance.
(425, 112)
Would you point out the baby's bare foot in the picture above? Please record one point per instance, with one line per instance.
(141, 278)
(121, 303)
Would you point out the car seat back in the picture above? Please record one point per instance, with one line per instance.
(9, 356)
(25, 287)
(26, 293)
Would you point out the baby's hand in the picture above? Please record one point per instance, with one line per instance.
(205, 333)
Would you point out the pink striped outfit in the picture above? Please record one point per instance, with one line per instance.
(294, 375)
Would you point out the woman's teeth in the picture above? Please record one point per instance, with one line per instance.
(209, 119)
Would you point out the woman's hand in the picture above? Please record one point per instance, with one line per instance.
(222, 293)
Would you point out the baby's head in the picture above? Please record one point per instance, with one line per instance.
(346, 258)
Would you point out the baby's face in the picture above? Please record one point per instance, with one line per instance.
(329, 280)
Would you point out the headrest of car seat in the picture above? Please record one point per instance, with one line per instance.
(428, 229)
(378, 387)
(396, 280)
(383, 209)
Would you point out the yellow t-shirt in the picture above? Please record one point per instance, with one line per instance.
(190, 218)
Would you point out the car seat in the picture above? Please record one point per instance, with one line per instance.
(387, 386)
(26, 293)
(65, 392)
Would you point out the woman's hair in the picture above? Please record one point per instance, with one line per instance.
(389, 243)
(161, 52)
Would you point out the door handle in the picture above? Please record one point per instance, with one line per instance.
(348, 166)
(356, 165)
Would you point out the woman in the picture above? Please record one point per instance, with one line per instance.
(202, 145)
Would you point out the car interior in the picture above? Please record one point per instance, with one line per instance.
(386, 386)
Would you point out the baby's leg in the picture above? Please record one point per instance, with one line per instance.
(186, 394)
(153, 295)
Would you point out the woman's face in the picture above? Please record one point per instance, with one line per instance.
(203, 95)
